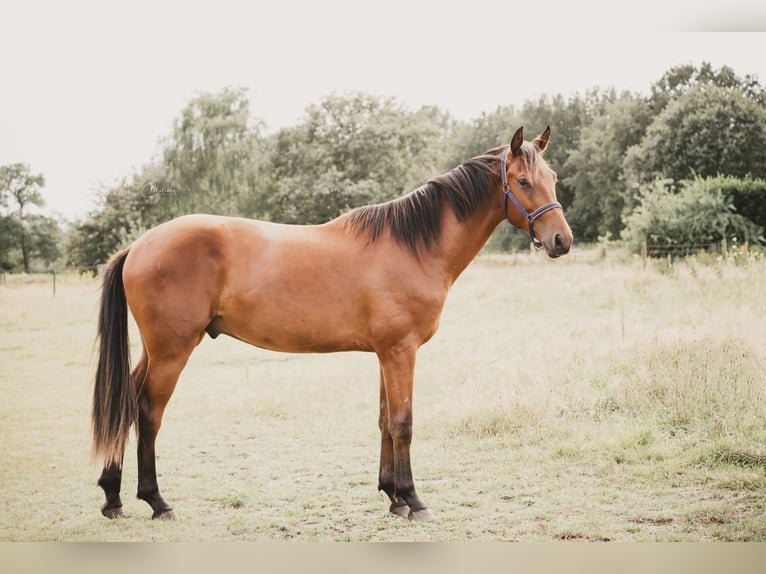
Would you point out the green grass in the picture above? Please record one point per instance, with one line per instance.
(583, 399)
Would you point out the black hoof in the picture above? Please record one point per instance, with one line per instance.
(112, 511)
(165, 515)
(399, 508)
(423, 515)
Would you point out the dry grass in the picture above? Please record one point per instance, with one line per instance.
(582, 399)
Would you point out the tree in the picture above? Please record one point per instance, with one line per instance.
(211, 153)
(680, 79)
(209, 163)
(349, 151)
(33, 235)
(9, 233)
(488, 131)
(706, 131)
(706, 122)
(594, 167)
(124, 212)
(43, 239)
(567, 118)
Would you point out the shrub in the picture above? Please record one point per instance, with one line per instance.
(697, 214)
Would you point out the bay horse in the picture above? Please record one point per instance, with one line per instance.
(374, 279)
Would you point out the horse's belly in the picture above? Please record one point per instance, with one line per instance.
(297, 326)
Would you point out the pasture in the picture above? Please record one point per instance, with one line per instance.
(587, 398)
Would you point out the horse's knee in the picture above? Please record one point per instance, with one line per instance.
(400, 429)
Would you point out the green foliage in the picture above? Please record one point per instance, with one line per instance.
(690, 218)
(124, 212)
(681, 79)
(9, 231)
(210, 156)
(43, 238)
(350, 151)
(27, 239)
(19, 187)
(483, 133)
(748, 196)
(566, 117)
(595, 166)
(209, 164)
(707, 131)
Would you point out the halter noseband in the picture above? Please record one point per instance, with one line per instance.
(530, 217)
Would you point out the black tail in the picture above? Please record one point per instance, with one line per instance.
(115, 408)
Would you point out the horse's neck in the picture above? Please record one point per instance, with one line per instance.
(461, 241)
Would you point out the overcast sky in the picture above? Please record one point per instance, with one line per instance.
(87, 89)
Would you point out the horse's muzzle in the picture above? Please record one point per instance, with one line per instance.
(559, 245)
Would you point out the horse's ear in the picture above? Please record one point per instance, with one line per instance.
(541, 141)
(516, 141)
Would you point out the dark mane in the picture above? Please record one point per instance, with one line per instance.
(416, 217)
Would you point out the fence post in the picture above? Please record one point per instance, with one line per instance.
(643, 255)
(54, 284)
(724, 248)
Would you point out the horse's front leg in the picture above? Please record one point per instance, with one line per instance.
(386, 474)
(398, 369)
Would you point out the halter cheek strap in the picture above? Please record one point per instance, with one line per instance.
(530, 217)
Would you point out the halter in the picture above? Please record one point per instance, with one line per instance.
(530, 217)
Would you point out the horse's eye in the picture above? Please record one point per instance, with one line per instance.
(523, 182)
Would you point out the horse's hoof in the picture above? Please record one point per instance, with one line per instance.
(165, 515)
(112, 511)
(423, 515)
(399, 509)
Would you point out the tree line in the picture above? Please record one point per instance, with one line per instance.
(685, 164)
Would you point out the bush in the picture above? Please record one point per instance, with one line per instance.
(701, 212)
(748, 196)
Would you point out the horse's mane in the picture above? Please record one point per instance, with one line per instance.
(416, 217)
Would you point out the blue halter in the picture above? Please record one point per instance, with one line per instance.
(530, 217)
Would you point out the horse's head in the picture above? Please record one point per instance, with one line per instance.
(529, 194)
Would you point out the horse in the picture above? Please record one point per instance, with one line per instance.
(374, 279)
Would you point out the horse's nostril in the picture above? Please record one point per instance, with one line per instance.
(558, 242)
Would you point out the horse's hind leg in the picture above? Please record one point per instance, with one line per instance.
(154, 393)
(110, 481)
(111, 476)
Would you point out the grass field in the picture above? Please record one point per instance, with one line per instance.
(588, 398)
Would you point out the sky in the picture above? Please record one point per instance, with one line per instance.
(88, 89)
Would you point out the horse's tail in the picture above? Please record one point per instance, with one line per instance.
(115, 408)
